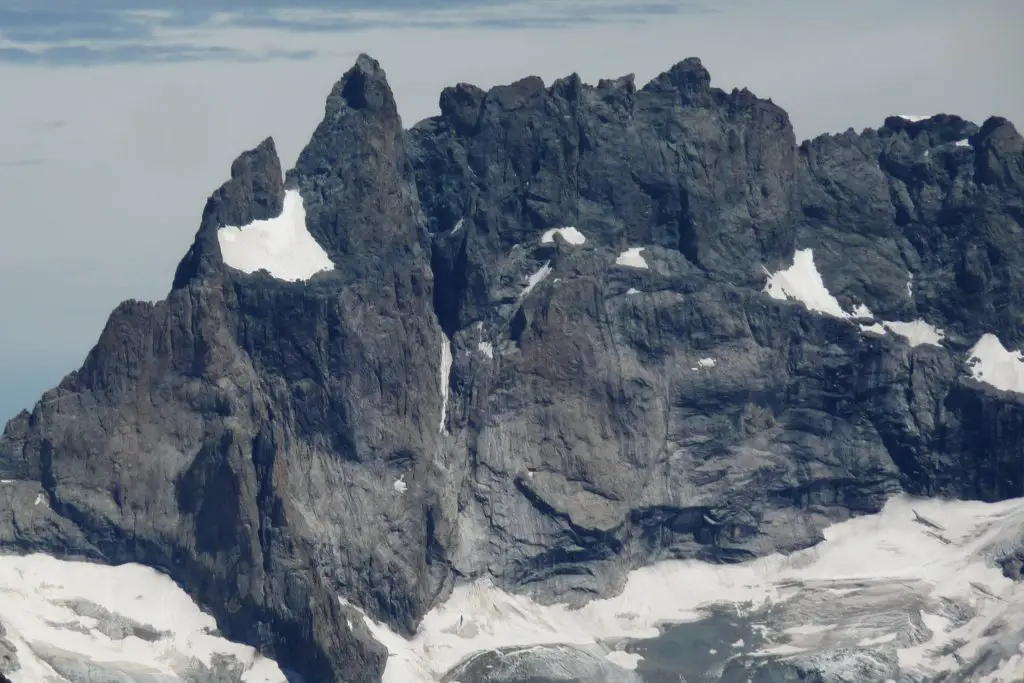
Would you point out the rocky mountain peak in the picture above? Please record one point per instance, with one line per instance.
(552, 335)
(355, 180)
(461, 106)
(364, 86)
(937, 129)
(255, 191)
(1001, 155)
(689, 78)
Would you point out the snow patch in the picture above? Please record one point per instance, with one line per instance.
(861, 311)
(282, 246)
(917, 332)
(707, 363)
(910, 285)
(802, 282)
(458, 226)
(131, 621)
(990, 362)
(40, 499)
(486, 348)
(963, 143)
(627, 660)
(877, 328)
(632, 290)
(890, 550)
(535, 279)
(631, 258)
(569, 234)
(913, 118)
(265, 670)
(880, 640)
(446, 369)
(400, 486)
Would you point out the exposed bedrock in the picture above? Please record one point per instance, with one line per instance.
(470, 392)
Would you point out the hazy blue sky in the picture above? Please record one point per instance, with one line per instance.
(118, 120)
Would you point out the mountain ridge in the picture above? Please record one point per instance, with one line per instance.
(230, 433)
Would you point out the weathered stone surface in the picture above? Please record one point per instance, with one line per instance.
(246, 434)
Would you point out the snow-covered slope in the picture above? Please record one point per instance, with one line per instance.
(72, 622)
(911, 592)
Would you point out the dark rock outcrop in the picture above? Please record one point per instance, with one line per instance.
(272, 445)
(8, 656)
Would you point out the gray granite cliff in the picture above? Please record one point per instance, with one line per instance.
(272, 445)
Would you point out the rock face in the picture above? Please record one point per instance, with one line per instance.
(467, 395)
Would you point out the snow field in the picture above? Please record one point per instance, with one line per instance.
(282, 246)
(81, 609)
(942, 548)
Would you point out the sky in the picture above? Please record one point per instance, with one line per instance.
(119, 119)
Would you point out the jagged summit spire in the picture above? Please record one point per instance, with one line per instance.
(364, 86)
(360, 135)
(689, 77)
(255, 191)
(367, 64)
(1001, 158)
(360, 105)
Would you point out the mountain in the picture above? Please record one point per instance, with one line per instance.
(556, 337)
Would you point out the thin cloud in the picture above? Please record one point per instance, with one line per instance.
(19, 163)
(446, 15)
(55, 27)
(102, 55)
(61, 33)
